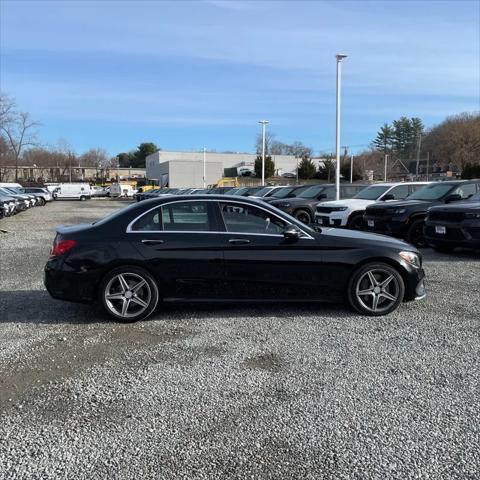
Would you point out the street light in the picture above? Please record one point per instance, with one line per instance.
(339, 57)
(264, 124)
(204, 167)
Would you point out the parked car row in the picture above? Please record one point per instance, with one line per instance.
(15, 199)
(407, 210)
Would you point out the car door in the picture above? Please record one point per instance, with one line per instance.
(180, 242)
(260, 263)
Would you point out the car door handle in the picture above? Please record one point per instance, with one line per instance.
(238, 241)
(152, 242)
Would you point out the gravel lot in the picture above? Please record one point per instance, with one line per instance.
(284, 391)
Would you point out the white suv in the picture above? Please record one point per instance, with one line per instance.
(349, 212)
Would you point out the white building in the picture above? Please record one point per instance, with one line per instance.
(185, 169)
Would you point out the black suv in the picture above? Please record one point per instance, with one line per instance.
(406, 218)
(457, 225)
(302, 207)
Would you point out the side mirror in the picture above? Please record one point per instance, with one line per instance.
(388, 196)
(454, 197)
(291, 232)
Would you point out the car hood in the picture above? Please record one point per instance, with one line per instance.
(355, 203)
(405, 203)
(292, 201)
(365, 237)
(458, 206)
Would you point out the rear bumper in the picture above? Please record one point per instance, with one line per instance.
(70, 286)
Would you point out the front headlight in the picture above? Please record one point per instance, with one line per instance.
(472, 215)
(399, 211)
(339, 209)
(283, 205)
(411, 258)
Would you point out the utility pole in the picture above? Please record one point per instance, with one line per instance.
(339, 58)
(264, 124)
(296, 158)
(428, 164)
(419, 144)
(386, 164)
(351, 169)
(204, 167)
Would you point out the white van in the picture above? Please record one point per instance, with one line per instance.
(75, 191)
(122, 190)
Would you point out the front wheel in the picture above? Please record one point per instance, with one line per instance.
(303, 216)
(82, 198)
(415, 233)
(129, 294)
(356, 223)
(42, 202)
(376, 289)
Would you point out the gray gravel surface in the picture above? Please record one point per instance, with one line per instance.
(282, 391)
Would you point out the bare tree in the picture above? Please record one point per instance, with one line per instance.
(17, 128)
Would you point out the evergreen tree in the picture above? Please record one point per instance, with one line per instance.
(306, 168)
(384, 140)
(269, 166)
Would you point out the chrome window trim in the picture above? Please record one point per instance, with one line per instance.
(129, 226)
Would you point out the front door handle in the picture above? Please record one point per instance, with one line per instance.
(238, 241)
(152, 242)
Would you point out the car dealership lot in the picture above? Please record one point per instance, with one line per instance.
(237, 391)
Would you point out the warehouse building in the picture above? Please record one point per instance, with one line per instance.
(185, 169)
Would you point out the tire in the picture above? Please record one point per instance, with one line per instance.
(415, 233)
(121, 298)
(443, 248)
(356, 222)
(303, 216)
(42, 202)
(82, 198)
(367, 295)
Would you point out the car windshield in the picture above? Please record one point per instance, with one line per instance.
(372, 193)
(283, 192)
(241, 191)
(312, 192)
(263, 191)
(431, 192)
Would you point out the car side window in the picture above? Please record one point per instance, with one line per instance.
(399, 192)
(240, 218)
(466, 190)
(150, 222)
(186, 216)
(178, 217)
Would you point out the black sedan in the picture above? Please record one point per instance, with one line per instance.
(218, 247)
(455, 225)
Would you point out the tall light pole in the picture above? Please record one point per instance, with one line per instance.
(339, 57)
(204, 167)
(264, 124)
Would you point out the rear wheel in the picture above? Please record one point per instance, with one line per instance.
(376, 289)
(303, 216)
(129, 294)
(82, 198)
(415, 233)
(41, 201)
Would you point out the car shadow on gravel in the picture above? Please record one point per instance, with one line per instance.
(36, 306)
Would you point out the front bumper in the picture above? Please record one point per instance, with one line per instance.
(332, 220)
(459, 234)
(415, 288)
(386, 225)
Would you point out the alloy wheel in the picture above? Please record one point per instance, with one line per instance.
(127, 295)
(377, 290)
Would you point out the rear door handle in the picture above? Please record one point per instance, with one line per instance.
(152, 242)
(238, 241)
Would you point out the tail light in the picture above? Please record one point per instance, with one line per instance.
(61, 247)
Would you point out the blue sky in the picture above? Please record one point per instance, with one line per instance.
(184, 74)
